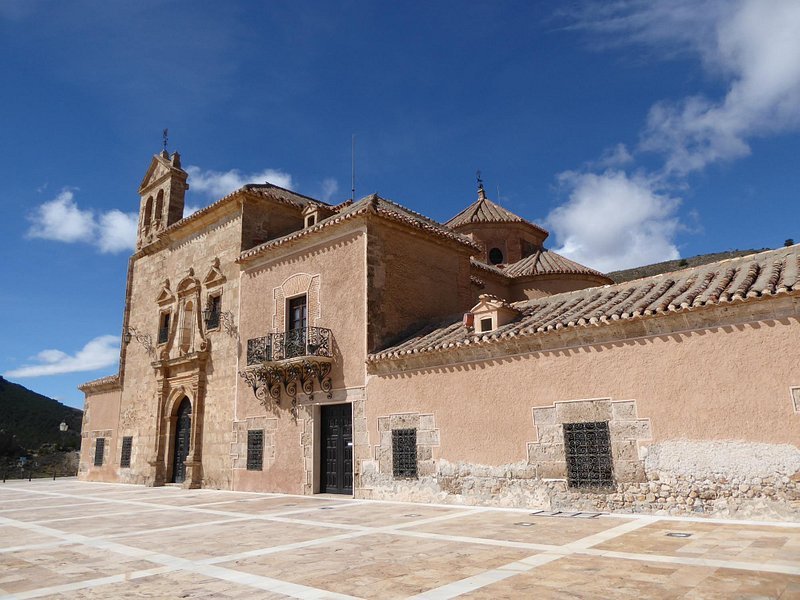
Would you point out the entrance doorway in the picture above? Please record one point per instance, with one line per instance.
(336, 450)
(183, 432)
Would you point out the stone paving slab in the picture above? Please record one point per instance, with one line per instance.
(70, 539)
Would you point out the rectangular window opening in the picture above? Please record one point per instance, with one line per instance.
(125, 457)
(213, 311)
(99, 450)
(255, 450)
(163, 328)
(486, 324)
(588, 451)
(404, 453)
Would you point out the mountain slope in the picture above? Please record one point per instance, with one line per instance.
(31, 419)
(676, 265)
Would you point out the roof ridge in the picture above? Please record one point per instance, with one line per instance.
(741, 279)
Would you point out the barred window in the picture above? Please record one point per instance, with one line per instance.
(99, 450)
(404, 453)
(588, 450)
(255, 450)
(125, 457)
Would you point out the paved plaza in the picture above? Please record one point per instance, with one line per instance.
(69, 539)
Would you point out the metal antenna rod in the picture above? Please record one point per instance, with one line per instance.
(353, 168)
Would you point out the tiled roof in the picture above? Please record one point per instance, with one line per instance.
(484, 210)
(544, 262)
(735, 280)
(265, 190)
(490, 268)
(382, 207)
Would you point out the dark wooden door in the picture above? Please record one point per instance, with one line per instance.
(183, 432)
(336, 454)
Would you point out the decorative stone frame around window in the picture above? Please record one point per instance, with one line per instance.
(427, 438)
(626, 431)
(795, 393)
(269, 425)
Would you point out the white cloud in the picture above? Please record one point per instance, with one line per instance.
(62, 220)
(616, 220)
(117, 231)
(752, 45)
(218, 184)
(329, 187)
(99, 353)
(613, 221)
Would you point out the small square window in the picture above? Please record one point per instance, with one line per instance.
(486, 324)
(311, 220)
(99, 450)
(404, 453)
(255, 450)
(125, 457)
(588, 450)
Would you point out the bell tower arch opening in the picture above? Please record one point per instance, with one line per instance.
(162, 194)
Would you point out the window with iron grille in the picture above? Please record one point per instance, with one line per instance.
(99, 450)
(125, 457)
(255, 449)
(404, 453)
(588, 450)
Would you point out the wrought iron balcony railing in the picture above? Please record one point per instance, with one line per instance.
(296, 343)
(259, 350)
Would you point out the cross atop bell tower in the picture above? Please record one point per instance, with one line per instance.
(162, 196)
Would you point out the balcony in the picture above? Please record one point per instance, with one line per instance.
(313, 342)
(298, 360)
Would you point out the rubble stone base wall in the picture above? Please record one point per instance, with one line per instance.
(683, 478)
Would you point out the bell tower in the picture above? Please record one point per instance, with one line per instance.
(161, 192)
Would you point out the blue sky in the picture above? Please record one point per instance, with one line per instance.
(635, 131)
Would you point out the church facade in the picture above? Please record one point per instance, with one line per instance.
(273, 342)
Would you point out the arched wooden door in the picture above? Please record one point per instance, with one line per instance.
(183, 432)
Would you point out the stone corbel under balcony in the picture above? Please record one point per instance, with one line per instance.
(270, 380)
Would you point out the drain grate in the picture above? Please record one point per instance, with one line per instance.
(561, 513)
(327, 507)
(412, 515)
(678, 534)
(524, 524)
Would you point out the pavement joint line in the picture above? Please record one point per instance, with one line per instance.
(361, 532)
(115, 536)
(174, 563)
(580, 547)
(84, 517)
(39, 546)
(36, 507)
(91, 583)
(716, 563)
(481, 580)
(610, 534)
